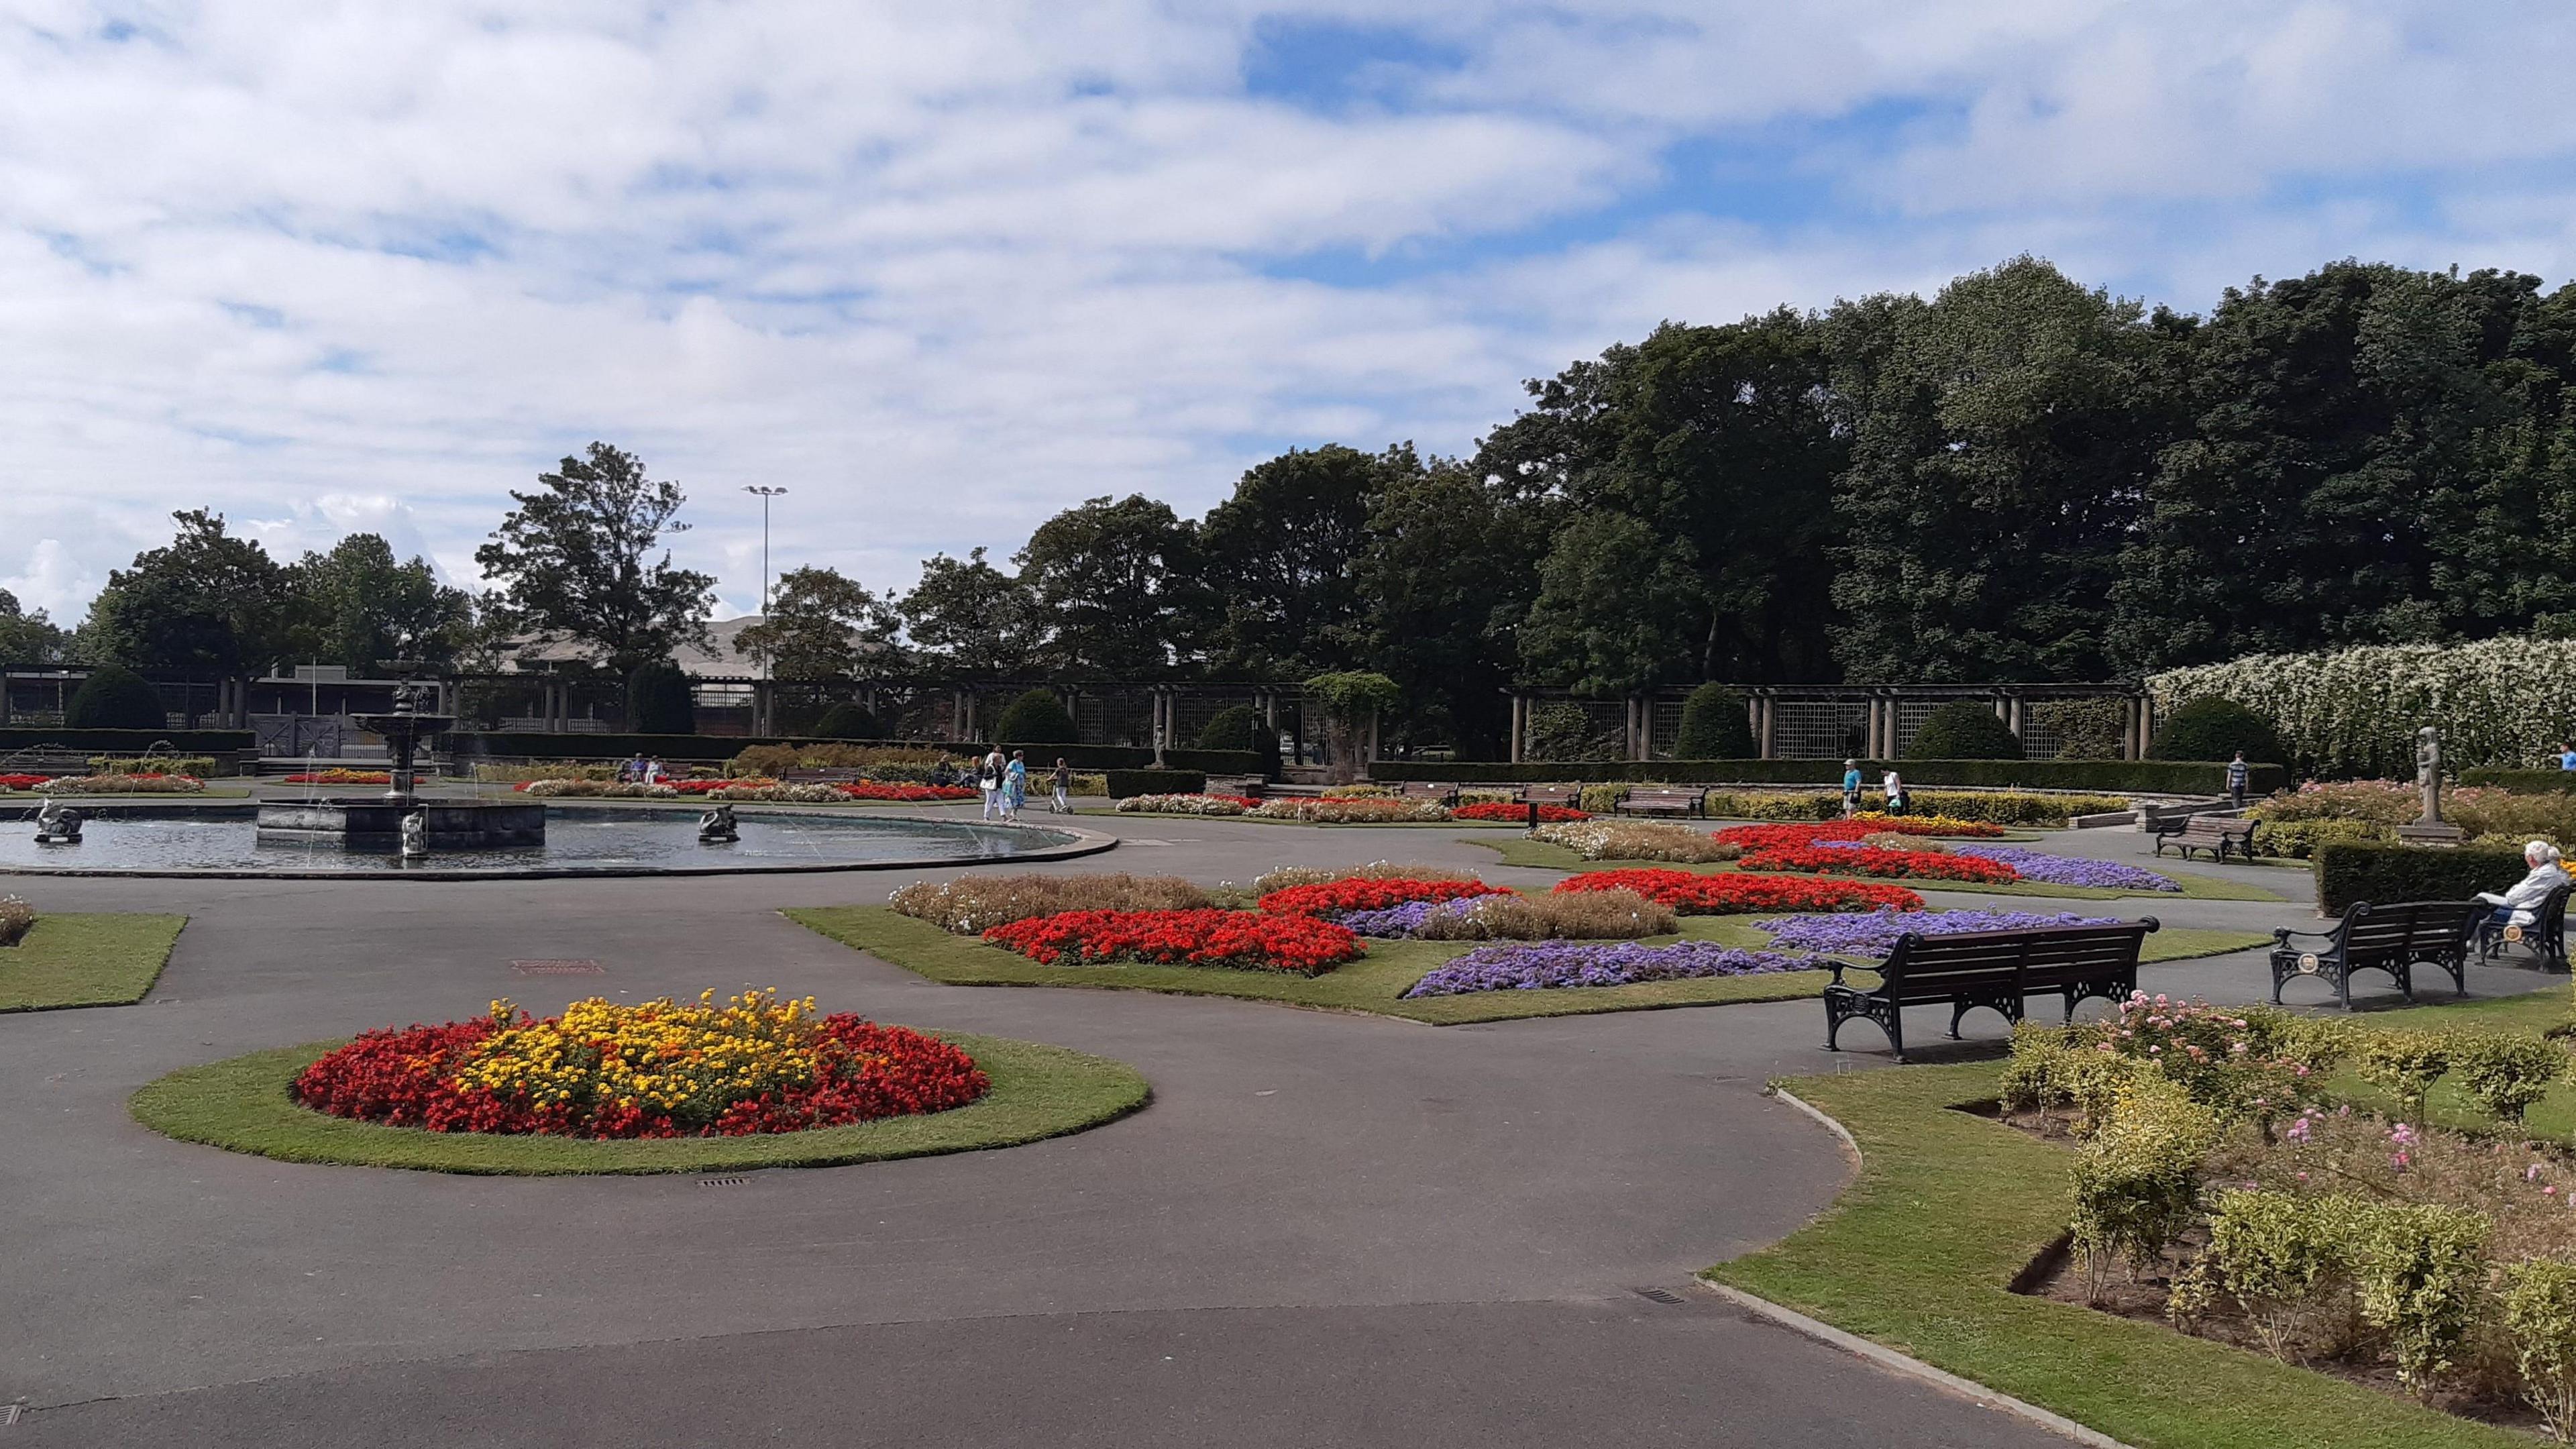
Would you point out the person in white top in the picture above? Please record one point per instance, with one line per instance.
(989, 778)
(2520, 905)
(1894, 786)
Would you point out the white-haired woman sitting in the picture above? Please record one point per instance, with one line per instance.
(2520, 906)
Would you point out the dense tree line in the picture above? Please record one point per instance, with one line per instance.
(2018, 478)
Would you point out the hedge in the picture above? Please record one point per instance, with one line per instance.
(129, 742)
(2385, 874)
(1124, 783)
(535, 745)
(2174, 777)
(2523, 782)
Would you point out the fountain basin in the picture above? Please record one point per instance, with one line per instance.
(468, 825)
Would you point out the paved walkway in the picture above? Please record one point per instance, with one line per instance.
(1326, 1229)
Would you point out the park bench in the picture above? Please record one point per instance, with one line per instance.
(1660, 800)
(2220, 835)
(2545, 937)
(1569, 796)
(821, 777)
(1249, 787)
(1993, 969)
(2394, 938)
(1438, 792)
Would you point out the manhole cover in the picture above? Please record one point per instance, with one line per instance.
(558, 968)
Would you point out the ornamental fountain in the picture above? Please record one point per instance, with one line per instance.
(402, 818)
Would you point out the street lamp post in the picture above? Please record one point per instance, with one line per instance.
(764, 493)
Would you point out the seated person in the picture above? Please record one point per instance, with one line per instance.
(2520, 905)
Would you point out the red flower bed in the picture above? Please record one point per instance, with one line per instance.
(906, 794)
(22, 782)
(1870, 860)
(341, 777)
(1247, 940)
(406, 1077)
(1770, 837)
(1732, 893)
(1363, 893)
(1505, 810)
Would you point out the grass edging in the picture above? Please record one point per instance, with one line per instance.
(74, 959)
(240, 1104)
(1947, 1207)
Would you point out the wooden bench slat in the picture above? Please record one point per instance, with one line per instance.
(2393, 938)
(1991, 968)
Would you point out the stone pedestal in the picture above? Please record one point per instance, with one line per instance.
(2439, 834)
(377, 824)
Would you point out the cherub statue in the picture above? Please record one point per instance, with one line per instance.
(415, 834)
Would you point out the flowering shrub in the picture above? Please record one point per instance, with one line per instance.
(22, 782)
(126, 785)
(1997, 807)
(974, 904)
(1185, 805)
(753, 1064)
(1587, 916)
(17, 918)
(1638, 840)
(1298, 875)
(1858, 859)
(1875, 934)
(1351, 812)
(1247, 940)
(1925, 824)
(2074, 870)
(595, 790)
(338, 775)
(1369, 893)
(1505, 810)
(1693, 894)
(1549, 964)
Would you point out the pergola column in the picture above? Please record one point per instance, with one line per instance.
(1520, 726)
(1766, 726)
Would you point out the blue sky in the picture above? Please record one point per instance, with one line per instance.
(942, 271)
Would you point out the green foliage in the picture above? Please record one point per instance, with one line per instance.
(114, 698)
(1714, 726)
(2137, 1179)
(1353, 695)
(2110, 776)
(2537, 1299)
(2505, 1072)
(2386, 874)
(28, 639)
(1036, 718)
(1231, 728)
(2418, 1268)
(1964, 729)
(1117, 587)
(363, 607)
(2407, 1063)
(2276, 1254)
(2552, 781)
(206, 603)
(2301, 839)
(2087, 729)
(971, 617)
(574, 561)
(821, 625)
(1449, 567)
(849, 721)
(1999, 807)
(2050, 1070)
(17, 918)
(1123, 783)
(1559, 730)
(1283, 542)
(201, 766)
(2214, 729)
(658, 700)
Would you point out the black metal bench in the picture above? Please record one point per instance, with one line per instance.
(1659, 800)
(1569, 796)
(2545, 937)
(1993, 969)
(2394, 938)
(2217, 834)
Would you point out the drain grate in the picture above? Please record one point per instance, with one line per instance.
(1664, 1296)
(9, 1414)
(558, 968)
(722, 1181)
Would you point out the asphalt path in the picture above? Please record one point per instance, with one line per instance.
(1326, 1229)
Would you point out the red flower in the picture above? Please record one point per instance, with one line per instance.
(1731, 893)
(1870, 860)
(1505, 810)
(1243, 939)
(908, 794)
(1365, 893)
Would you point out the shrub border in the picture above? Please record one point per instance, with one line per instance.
(2176, 777)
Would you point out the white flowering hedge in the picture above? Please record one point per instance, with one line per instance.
(2354, 712)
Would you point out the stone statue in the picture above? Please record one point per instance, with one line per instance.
(2428, 773)
(56, 825)
(717, 826)
(415, 834)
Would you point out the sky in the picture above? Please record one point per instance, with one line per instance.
(942, 270)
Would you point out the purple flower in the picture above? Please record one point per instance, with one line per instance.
(2039, 865)
(1539, 965)
(1874, 935)
(1394, 921)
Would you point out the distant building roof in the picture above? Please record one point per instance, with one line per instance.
(721, 660)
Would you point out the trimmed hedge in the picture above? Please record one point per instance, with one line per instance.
(1038, 715)
(535, 745)
(2523, 782)
(2352, 871)
(2175, 777)
(1124, 783)
(114, 697)
(1964, 729)
(1713, 725)
(129, 742)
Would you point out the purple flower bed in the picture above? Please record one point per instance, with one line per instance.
(1874, 935)
(2039, 865)
(1539, 965)
(1394, 921)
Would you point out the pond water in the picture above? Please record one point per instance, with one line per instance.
(579, 839)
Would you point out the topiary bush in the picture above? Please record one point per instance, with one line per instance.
(658, 700)
(846, 721)
(1714, 727)
(114, 698)
(1231, 728)
(1964, 729)
(2087, 729)
(2214, 729)
(1036, 718)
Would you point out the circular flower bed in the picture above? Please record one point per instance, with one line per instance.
(1370, 893)
(1548, 964)
(1693, 894)
(1245, 940)
(1829, 859)
(1875, 935)
(1504, 810)
(752, 1065)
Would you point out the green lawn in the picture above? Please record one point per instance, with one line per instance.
(240, 1104)
(1374, 983)
(86, 960)
(1540, 855)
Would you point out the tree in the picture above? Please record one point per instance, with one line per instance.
(658, 701)
(361, 608)
(574, 561)
(207, 603)
(1115, 584)
(822, 625)
(972, 617)
(1964, 729)
(114, 698)
(27, 638)
(1037, 717)
(1350, 700)
(1281, 549)
(2213, 728)
(1614, 605)
(2001, 436)
(1447, 570)
(1714, 726)
(1231, 728)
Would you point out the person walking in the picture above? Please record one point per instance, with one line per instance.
(1894, 785)
(1015, 785)
(988, 778)
(1062, 780)
(2239, 775)
(2566, 756)
(1851, 788)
